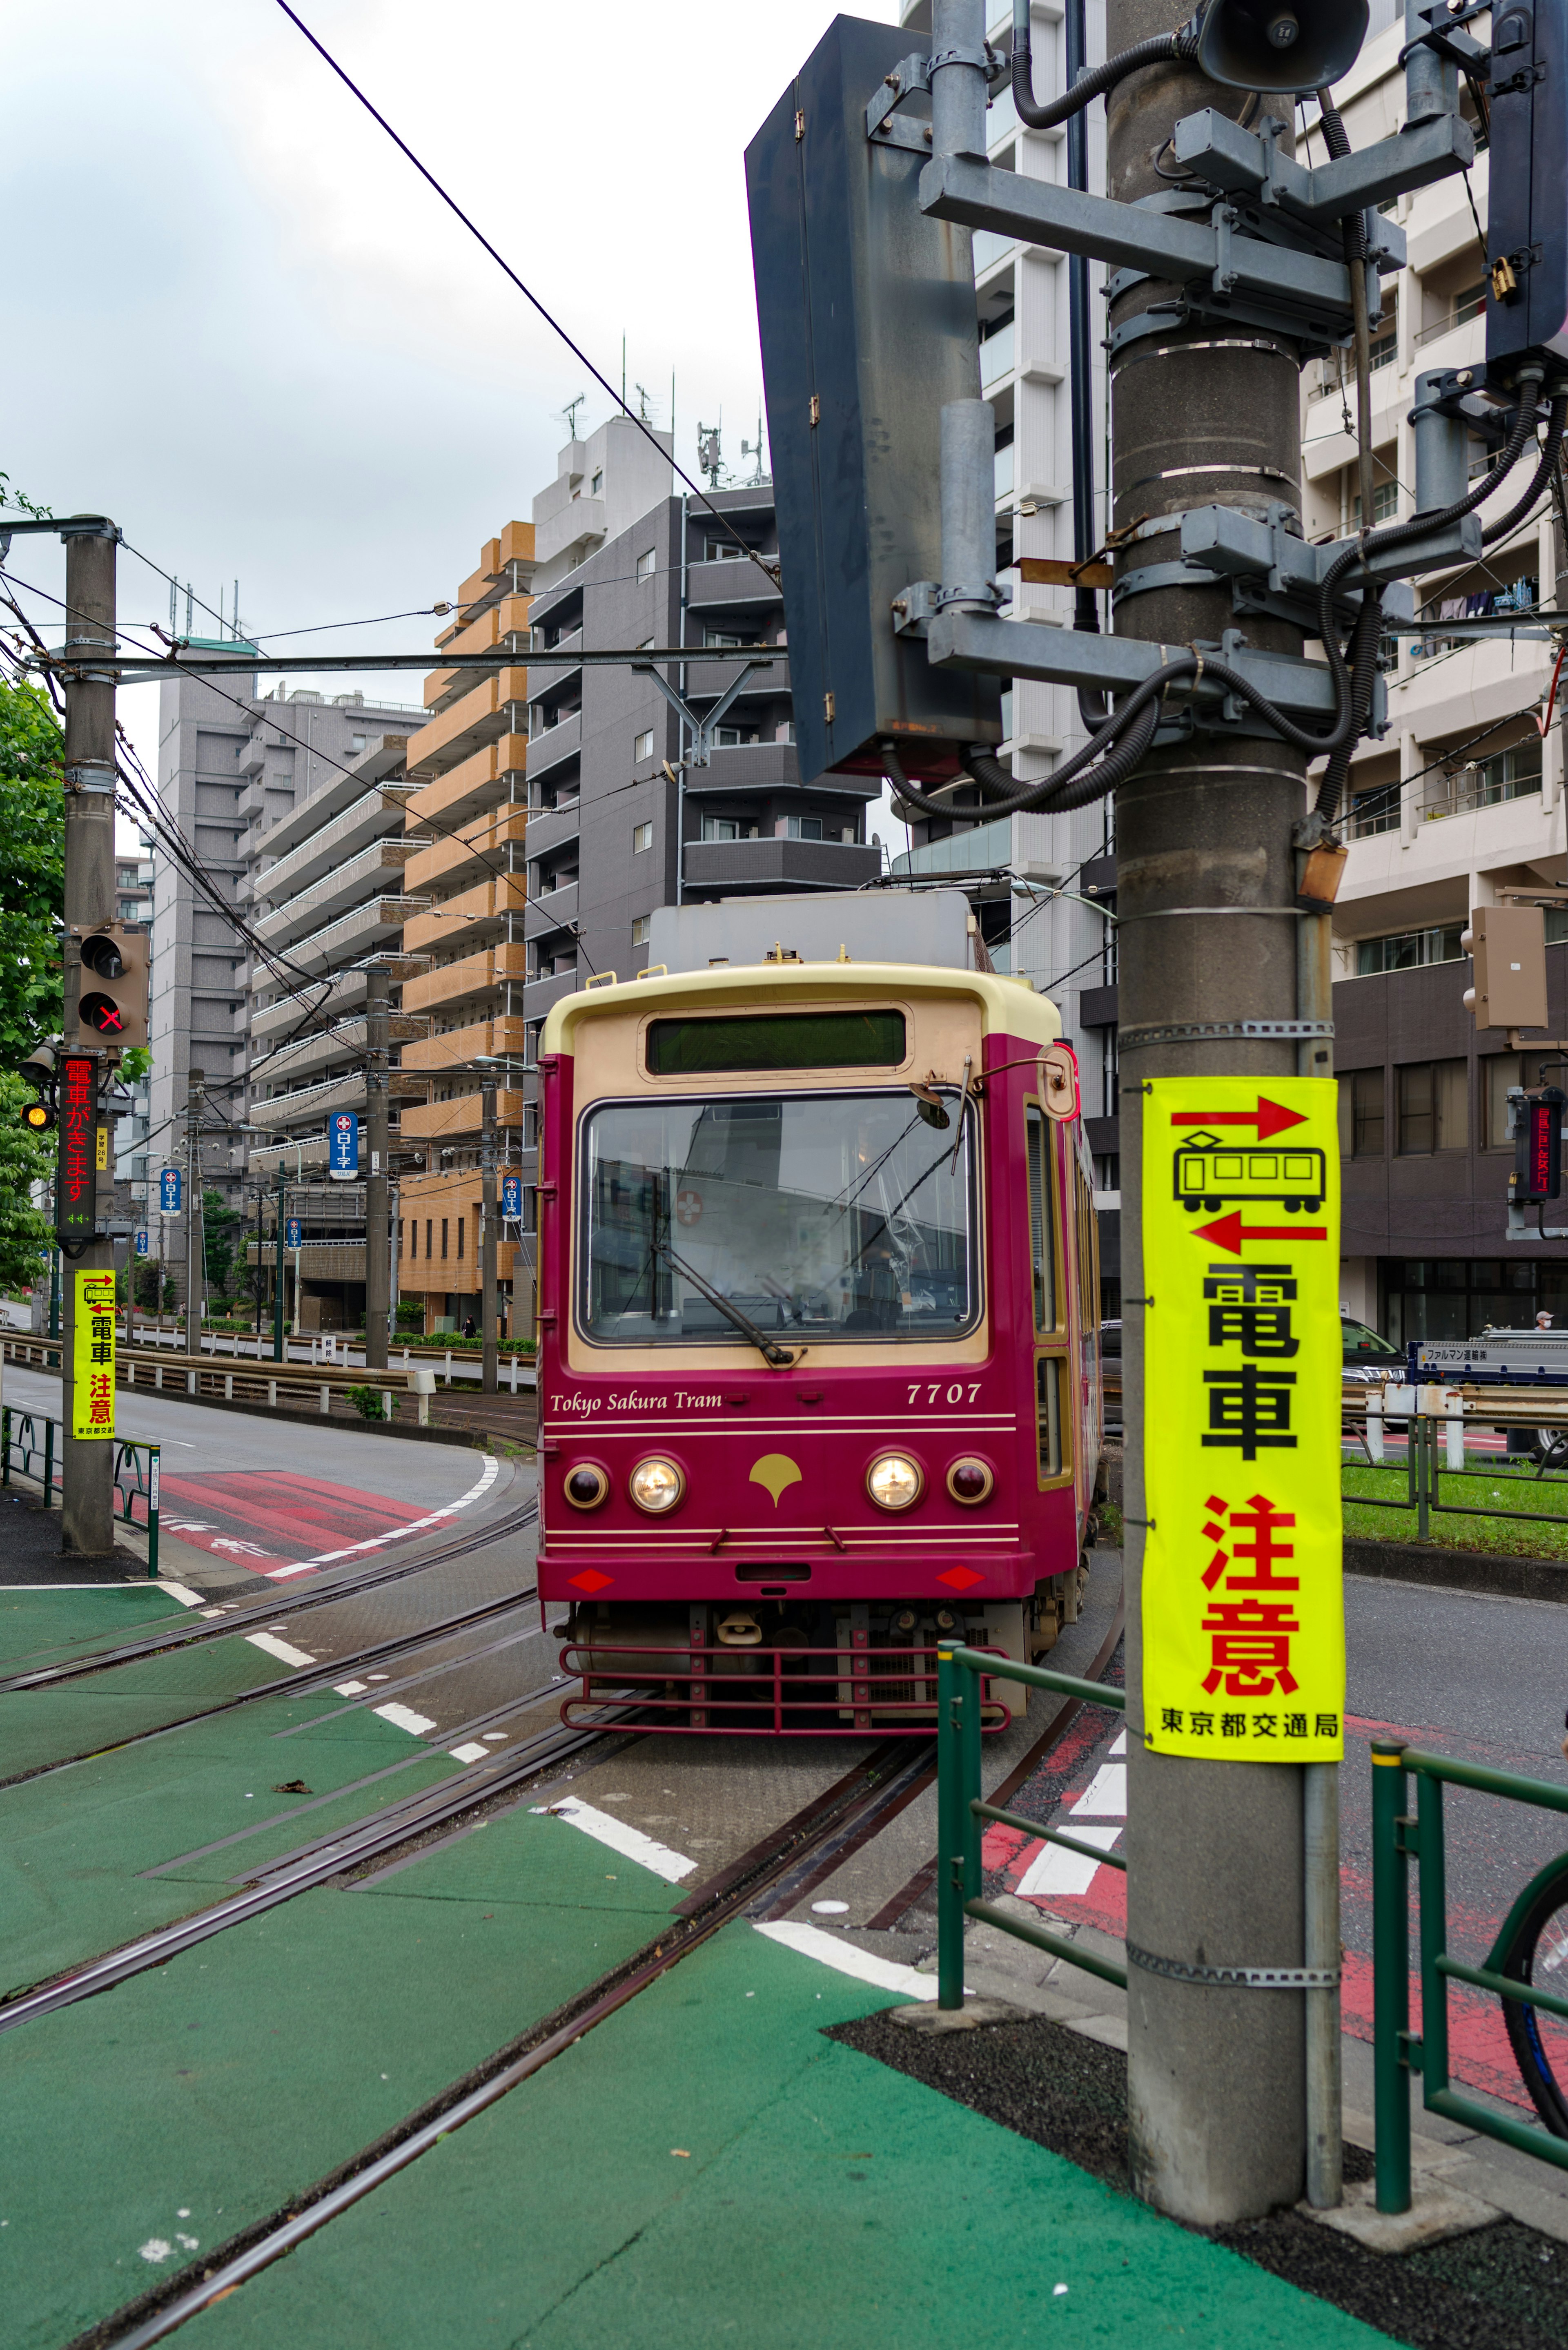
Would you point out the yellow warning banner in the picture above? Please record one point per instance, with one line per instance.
(1243, 1614)
(92, 1354)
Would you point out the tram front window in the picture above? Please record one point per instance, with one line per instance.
(832, 1216)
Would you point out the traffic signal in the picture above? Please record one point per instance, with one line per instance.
(39, 1071)
(1507, 946)
(111, 1001)
(1538, 1145)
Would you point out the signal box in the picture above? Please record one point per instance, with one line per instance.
(111, 998)
(867, 316)
(1507, 946)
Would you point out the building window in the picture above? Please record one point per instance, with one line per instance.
(723, 638)
(639, 930)
(461, 1222)
(802, 827)
(443, 1231)
(785, 731)
(735, 738)
(723, 550)
(729, 827)
(645, 564)
(1385, 504)
(1434, 1108)
(642, 746)
(1361, 1114)
(1409, 950)
(399, 1236)
(641, 839)
(1512, 774)
(596, 486)
(428, 1230)
(1447, 1297)
(1375, 812)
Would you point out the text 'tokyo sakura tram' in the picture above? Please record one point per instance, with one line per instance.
(819, 1375)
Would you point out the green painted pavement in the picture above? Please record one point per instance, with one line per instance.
(195, 2099)
(44, 1627)
(820, 2198)
(74, 1844)
(49, 1725)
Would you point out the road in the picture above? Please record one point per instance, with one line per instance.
(278, 1499)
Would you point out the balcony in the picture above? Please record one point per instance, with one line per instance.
(541, 996)
(346, 1092)
(318, 1260)
(471, 976)
(478, 719)
(574, 529)
(324, 1048)
(476, 782)
(996, 356)
(338, 888)
(376, 923)
(552, 829)
(485, 839)
(369, 820)
(502, 628)
(442, 1121)
(460, 1045)
(775, 864)
(491, 901)
(553, 671)
(735, 585)
(985, 849)
(750, 767)
(562, 740)
(554, 910)
(381, 765)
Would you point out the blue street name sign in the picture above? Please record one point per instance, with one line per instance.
(512, 1197)
(292, 1232)
(170, 1186)
(142, 1242)
(343, 1146)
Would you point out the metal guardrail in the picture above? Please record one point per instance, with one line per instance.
(1434, 1451)
(236, 1378)
(136, 1469)
(1397, 1838)
(961, 1811)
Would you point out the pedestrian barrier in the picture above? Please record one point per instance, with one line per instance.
(29, 1438)
(1435, 1451)
(1398, 1837)
(959, 1812)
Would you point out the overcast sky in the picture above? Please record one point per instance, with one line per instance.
(240, 323)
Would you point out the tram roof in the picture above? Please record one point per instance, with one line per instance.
(1007, 1007)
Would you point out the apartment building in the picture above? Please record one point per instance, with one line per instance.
(465, 819)
(1461, 799)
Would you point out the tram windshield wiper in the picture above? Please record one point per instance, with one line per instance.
(779, 1359)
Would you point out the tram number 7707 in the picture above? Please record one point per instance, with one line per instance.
(933, 1387)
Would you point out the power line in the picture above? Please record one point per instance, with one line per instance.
(528, 296)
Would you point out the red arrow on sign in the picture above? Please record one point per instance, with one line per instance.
(1269, 1118)
(1230, 1232)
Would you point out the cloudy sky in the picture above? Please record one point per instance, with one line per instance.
(240, 323)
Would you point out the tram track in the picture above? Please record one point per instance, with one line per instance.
(270, 1604)
(773, 1875)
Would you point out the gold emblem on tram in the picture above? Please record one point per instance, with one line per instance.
(773, 1472)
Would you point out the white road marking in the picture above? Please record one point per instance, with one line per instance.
(471, 1752)
(1105, 1796)
(495, 1733)
(628, 1841)
(350, 1688)
(279, 1649)
(475, 1492)
(178, 1591)
(1120, 1746)
(1055, 1870)
(846, 1959)
(403, 1717)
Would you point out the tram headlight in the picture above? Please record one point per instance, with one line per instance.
(656, 1485)
(969, 1481)
(894, 1482)
(587, 1486)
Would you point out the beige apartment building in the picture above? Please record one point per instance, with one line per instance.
(1461, 799)
(468, 808)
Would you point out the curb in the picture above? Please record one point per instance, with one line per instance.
(1495, 1573)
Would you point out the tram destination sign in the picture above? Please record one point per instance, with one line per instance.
(1243, 1611)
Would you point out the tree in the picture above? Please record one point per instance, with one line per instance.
(25, 1159)
(217, 1224)
(32, 870)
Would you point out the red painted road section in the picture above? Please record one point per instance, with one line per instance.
(262, 1519)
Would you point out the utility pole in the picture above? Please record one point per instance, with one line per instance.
(87, 1467)
(1215, 1849)
(195, 1271)
(377, 1270)
(277, 1267)
(487, 1236)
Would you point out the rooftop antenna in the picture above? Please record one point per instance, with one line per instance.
(568, 415)
(646, 404)
(754, 449)
(710, 453)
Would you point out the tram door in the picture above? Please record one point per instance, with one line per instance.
(1051, 1368)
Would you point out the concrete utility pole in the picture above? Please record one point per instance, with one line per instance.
(195, 1271)
(1206, 883)
(277, 1278)
(378, 1267)
(86, 1466)
(487, 1236)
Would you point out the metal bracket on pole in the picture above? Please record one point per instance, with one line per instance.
(702, 729)
(1236, 1978)
(911, 75)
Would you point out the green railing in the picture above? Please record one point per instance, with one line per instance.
(1425, 1467)
(1398, 1837)
(31, 1445)
(960, 1695)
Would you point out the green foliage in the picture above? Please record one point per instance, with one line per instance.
(146, 1287)
(23, 502)
(218, 1224)
(411, 1314)
(370, 1403)
(25, 1159)
(32, 869)
(135, 1062)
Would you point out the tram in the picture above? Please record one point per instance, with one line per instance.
(819, 1375)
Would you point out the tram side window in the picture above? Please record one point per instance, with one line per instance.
(1048, 1413)
(1041, 1222)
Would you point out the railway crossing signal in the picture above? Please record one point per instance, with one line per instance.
(39, 1071)
(112, 1003)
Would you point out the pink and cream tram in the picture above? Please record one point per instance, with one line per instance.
(819, 1368)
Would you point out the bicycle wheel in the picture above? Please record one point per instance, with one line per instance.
(1538, 1953)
